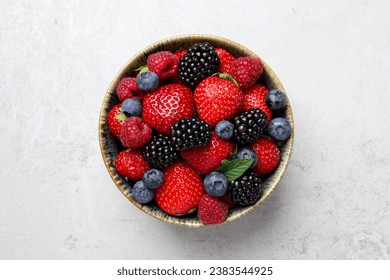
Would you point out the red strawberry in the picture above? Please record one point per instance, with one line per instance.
(127, 88)
(212, 210)
(131, 164)
(165, 64)
(181, 190)
(226, 59)
(208, 158)
(114, 124)
(181, 53)
(255, 98)
(135, 133)
(217, 99)
(268, 155)
(246, 71)
(166, 105)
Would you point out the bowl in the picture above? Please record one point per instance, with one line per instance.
(110, 146)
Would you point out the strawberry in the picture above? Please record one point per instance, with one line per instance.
(212, 210)
(226, 60)
(217, 99)
(127, 88)
(165, 64)
(246, 71)
(167, 105)
(268, 155)
(181, 53)
(255, 98)
(131, 164)
(135, 133)
(181, 190)
(114, 123)
(208, 158)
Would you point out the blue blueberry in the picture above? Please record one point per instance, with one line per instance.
(153, 178)
(224, 129)
(132, 107)
(276, 99)
(141, 193)
(279, 129)
(247, 152)
(147, 81)
(216, 184)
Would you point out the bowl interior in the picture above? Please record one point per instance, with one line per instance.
(111, 146)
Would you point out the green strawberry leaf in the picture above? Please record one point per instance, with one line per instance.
(142, 69)
(234, 169)
(121, 117)
(227, 77)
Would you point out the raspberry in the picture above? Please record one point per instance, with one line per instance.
(212, 210)
(164, 64)
(246, 71)
(135, 133)
(127, 88)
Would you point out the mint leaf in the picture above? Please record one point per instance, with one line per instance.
(142, 69)
(234, 169)
(121, 117)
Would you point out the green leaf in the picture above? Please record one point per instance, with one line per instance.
(121, 117)
(142, 69)
(234, 169)
(227, 77)
(234, 155)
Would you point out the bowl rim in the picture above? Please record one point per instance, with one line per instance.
(153, 47)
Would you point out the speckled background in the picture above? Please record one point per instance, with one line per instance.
(57, 201)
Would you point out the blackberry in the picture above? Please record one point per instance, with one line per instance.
(160, 151)
(199, 62)
(188, 133)
(246, 190)
(249, 125)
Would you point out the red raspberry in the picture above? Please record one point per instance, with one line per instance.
(268, 155)
(181, 53)
(127, 88)
(135, 133)
(246, 71)
(226, 59)
(255, 98)
(131, 164)
(114, 124)
(212, 210)
(164, 64)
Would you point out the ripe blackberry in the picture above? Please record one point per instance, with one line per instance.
(188, 133)
(249, 125)
(199, 62)
(160, 151)
(246, 190)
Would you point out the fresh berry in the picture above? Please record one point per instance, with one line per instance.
(165, 64)
(208, 158)
(268, 155)
(217, 99)
(181, 53)
(216, 184)
(135, 133)
(279, 129)
(226, 59)
(246, 190)
(147, 81)
(276, 99)
(246, 71)
(181, 191)
(255, 98)
(153, 178)
(167, 105)
(189, 133)
(212, 210)
(115, 120)
(160, 151)
(224, 129)
(132, 107)
(131, 164)
(249, 125)
(199, 62)
(228, 201)
(127, 88)
(247, 152)
(141, 193)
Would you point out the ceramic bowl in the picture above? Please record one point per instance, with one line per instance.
(110, 146)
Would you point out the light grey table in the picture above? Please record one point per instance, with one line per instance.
(57, 200)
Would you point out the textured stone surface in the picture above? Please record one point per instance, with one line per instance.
(57, 200)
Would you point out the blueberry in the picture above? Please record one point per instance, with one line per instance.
(153, 178)
(279, 129)
(132, 107)
(224, 129)
(216, 184)
(147, 81)
(141, 193)
(276, 99)
(247, 153)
